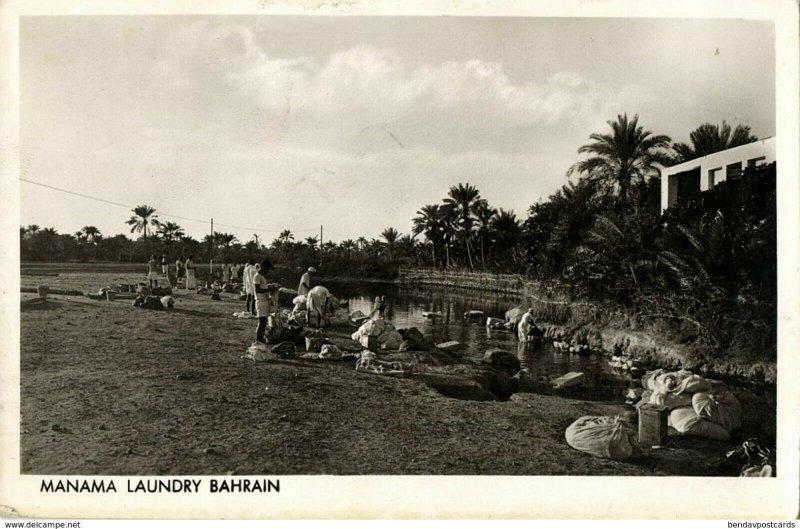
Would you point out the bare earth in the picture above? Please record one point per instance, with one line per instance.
(109, 389)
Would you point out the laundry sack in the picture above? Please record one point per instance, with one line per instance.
(686, 421)
(721, 408)
(609, 437)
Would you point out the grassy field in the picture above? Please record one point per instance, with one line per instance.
(107, 388)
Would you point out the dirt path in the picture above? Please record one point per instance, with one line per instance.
(110, 389)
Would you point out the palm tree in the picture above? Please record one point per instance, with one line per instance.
(506, 230)
(285, 236)
(170, 232)
(142, 217)
(484, 215)
(707, 139)
(362, 243)
(224, 240)
(428, 222)
(91, 236)
(390, 235)
(448, 220)
(31, 230)
(348, 246)
(312, 241)
(462, 199)
(49, 242)
(623, 158)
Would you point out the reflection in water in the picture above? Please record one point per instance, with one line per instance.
(404, 308)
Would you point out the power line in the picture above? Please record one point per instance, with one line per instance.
(129, 207)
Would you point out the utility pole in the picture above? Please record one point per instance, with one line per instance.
(320, 244)
(211, 251)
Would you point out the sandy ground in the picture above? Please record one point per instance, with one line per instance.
(114, 390)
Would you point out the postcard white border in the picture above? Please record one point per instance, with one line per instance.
(487, 497)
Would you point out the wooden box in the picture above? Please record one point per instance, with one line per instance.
(653, 425)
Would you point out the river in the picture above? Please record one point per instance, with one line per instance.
(405, 309)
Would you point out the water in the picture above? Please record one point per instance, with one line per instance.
(405, 307)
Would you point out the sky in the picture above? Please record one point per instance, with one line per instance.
(268, 123)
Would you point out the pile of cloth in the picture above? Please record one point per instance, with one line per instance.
(154, 302)
(259, 352)
(698, 406)
(368, 363)
(609, 437)
(244, 314)
(387, 335)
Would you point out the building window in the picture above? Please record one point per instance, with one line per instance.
(756, 161)
(713, 177)
(733, 169)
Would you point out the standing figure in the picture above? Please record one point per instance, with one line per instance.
(305, 282)
(527, 327)
(190, 282)
(263, 298)
(152, 272)
(250, 272)
(379, 306)
(178, 269)
(226, 273)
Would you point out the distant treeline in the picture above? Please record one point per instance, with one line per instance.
(708, 264)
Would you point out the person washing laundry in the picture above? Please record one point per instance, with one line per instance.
(527, 327)
(318, 302)
(305, 282)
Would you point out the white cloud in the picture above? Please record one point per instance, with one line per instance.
(364, 99)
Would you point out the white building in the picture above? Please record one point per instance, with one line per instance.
(706, 172)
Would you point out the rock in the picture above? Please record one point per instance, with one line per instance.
(573, 378)
(416, 338)
(474, 314)
(405, 346)
(450, 346)
(502, 360)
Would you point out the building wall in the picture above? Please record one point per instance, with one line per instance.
(715, 168)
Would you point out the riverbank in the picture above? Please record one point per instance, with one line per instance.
(112, 389)
(612, 330)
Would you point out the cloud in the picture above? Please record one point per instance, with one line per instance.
(366, 99)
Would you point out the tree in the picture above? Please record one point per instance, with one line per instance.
(708, 139)
(143, 216)
(348, 246)
(285, 236)
(390, 235)
(224, 241)
(506, 231)
(484, 215)
(461, 199)
(90, 236)
(448, 219)
(312, 241)
(623, 158)
(429, 223)
(170, 232)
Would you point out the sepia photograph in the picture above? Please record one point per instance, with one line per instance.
(264, 245)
